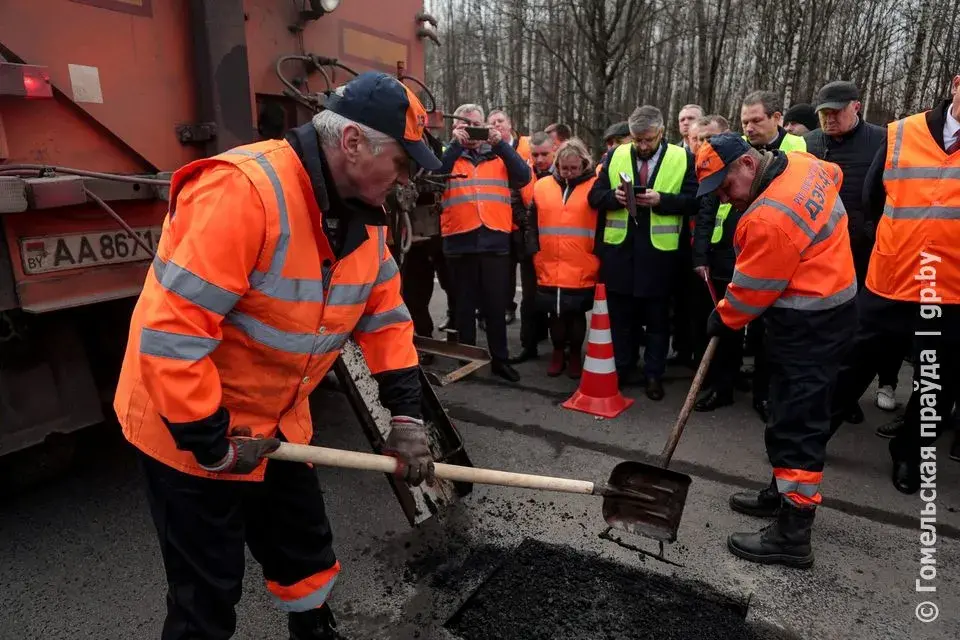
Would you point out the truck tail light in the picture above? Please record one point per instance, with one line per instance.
(25, 81)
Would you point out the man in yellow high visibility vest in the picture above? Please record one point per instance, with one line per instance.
(639, 257)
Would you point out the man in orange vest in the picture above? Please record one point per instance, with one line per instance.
(272, 255)
(476, 222)
(913, 281)
(794, 266)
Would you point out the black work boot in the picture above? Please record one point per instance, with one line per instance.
(786, 541)
(761, 504)
(316, 624)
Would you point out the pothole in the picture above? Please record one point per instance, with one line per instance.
(550, 592)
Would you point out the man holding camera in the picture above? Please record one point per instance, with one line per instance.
(639, 257)
(475, 222)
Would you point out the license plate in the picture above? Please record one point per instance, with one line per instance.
(59, 253)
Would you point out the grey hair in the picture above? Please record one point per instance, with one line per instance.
(645, 118)
(470, 108)
(692, 106)
(771, 102)
(574, 147)
(538, 138)
(330, 127)
(716, 119)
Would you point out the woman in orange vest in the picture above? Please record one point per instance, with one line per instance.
(566, 266)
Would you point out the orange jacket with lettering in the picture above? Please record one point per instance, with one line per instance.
(567, 225)
(482, 198)
(793, 247)
(920, 225)
(245, 308)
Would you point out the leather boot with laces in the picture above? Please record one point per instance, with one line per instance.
(761, 504)
(786, 541)
(316, 624)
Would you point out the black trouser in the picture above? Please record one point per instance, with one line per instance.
(627, 316)
(417, 272)
(884, 323)
(729, 356)
(533, 323)
(202, 526)
(756, 337)
(688, 285)
(568, 330)
(805, 358)
(888, 369)
(481, 281)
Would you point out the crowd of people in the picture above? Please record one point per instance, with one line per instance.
(795, 241)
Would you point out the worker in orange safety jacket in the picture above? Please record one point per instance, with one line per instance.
(566, 266)
(272, 256)
(794, 265)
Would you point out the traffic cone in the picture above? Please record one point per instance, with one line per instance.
(599, 391)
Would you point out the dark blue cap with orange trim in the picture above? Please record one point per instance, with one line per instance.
(714, 158)
(382, 102)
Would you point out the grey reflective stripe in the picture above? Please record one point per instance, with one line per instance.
(665, 228)
(921, 213)
(742, 307)
(836, 214)
(567, 231)
(308, 602)
(897, 145)
(177, 346)
(817, 303)
(347, 294)
(193, 288)
(806, 489)
(374, 321)
(924, 173)
(478, 182)
(280, 252)
(301, 343)
(388, 269)
(758, 284)
(290, 289)
(615, 224)
(800, 222)
(477, 197)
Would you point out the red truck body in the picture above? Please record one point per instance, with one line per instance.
(137, 87)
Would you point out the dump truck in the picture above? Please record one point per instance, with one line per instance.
(100, 101)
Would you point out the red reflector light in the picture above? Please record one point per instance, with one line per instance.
(24, 80)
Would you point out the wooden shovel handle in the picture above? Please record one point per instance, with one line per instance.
(671, 445)
(385, 464)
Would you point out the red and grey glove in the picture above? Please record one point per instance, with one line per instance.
(243, 455)
(408, 443)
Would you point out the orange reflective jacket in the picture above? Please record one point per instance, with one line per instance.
(793, 248)
(567, 227)
(246, 308)
(523, 149)
(920, 225)
(482, 198)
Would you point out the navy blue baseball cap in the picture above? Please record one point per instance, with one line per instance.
(714, 158)
(382, 102)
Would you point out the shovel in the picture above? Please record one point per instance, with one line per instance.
(630, 502)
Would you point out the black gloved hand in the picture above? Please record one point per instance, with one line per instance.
(243, 455)
(716, 327)
(408, 443)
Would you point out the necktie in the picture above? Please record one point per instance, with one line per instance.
(955, 146)
(643, 173)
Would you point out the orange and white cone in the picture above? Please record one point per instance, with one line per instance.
(599, 391)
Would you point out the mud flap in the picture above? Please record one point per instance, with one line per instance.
(418, 503)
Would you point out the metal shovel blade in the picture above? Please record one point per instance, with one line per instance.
(645, 499)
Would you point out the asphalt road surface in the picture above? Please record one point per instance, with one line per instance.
(78, 557)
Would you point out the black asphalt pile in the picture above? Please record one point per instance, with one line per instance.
(547, 592)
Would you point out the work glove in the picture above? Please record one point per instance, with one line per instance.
(243, 455)
(716, 327)
(408, 443)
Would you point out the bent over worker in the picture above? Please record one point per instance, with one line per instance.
(272, 256)
(794, 265)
